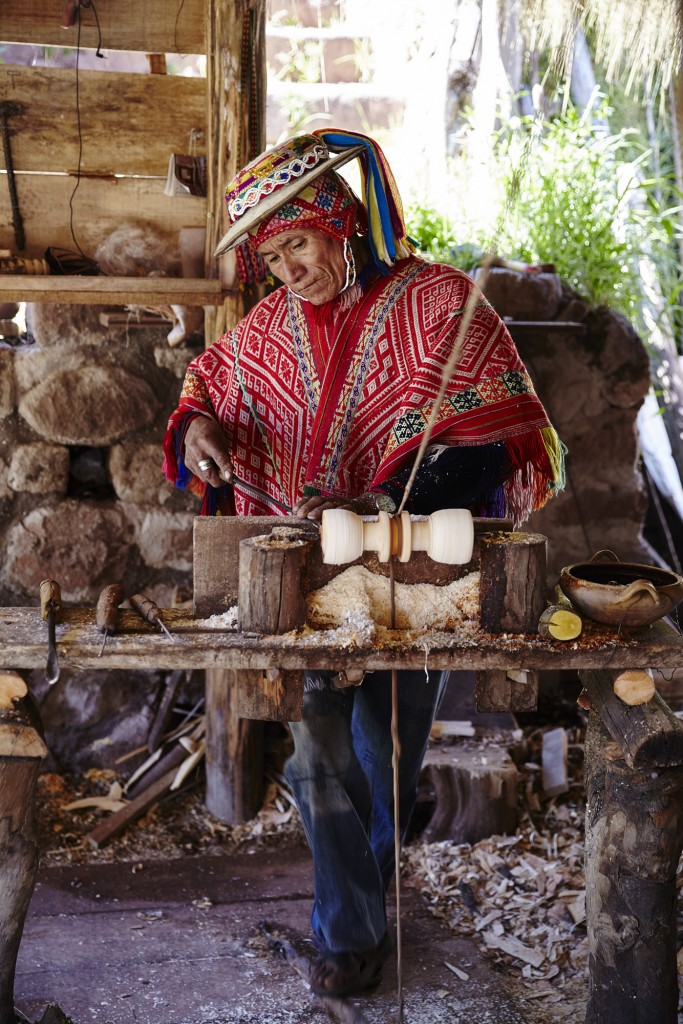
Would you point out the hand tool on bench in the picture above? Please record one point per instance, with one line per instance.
(106, 612)
(8, 109)
(51, 611)
(149, 611)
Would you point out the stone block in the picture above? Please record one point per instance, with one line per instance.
(83, 545)
(7, 384)
(520, 294)
(39, 468)
(91, 405)
(136, 474)
(51, 323)
(5, 489)
(165, 539)
(174, 359)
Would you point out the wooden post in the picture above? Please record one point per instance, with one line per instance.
(513, 581)
(498, 690)
(234, 752)
(21, 751)
(634, 836)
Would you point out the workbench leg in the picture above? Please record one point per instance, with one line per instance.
(21, 752)
(634, 834)
(234, 752)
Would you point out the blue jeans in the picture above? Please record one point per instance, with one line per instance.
(341, 776)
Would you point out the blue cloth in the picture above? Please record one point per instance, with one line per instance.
(342, 778)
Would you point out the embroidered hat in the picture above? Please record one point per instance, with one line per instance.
(274, 178)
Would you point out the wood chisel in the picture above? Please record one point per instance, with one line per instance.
(51, 611)
(148, 610)
(107, 610)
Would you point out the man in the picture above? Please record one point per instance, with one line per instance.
(319, 398)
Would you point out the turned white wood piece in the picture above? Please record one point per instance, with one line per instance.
(446, 536)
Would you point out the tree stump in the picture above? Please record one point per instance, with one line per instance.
(634, 836)
(475, 793)
(21, 751)
(513, 582)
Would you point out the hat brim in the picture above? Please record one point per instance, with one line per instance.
(239, 231)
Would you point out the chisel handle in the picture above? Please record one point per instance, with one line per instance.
(50, 600)
(107, 607)
(145, 607)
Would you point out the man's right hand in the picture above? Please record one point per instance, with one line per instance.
(205, 441)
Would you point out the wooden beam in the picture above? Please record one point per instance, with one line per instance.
(198, 644)
(130, 124)
(110, 291)
(164, 28)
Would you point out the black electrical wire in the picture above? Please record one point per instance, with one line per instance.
(98, 53)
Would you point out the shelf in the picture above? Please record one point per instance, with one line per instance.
(111, 291)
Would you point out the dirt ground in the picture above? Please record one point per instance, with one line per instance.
(519, 898)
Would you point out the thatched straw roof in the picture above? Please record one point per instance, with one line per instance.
(641, 38)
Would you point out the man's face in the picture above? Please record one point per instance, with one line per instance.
(309, 262)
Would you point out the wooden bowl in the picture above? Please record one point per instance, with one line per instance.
(621, 593)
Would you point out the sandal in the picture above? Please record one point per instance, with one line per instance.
(344, 974)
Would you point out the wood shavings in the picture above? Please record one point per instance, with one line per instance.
(224, 620)
(419, 606)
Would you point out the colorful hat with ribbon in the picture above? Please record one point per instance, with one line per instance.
(273, 179)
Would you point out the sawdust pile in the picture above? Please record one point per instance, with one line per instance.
(419, 606)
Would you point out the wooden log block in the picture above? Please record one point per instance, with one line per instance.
(647, 734)
(234, 752)
(271, 597)
(501, 690)
(513, 581)
(634, 836)
(21, 751)
(475, 793)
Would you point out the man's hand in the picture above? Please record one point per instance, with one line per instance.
(206, 442)
(313, 508)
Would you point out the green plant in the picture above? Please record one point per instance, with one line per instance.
(437, 237)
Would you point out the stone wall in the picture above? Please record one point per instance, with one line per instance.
(83, 410)
(83, 499)
(592, 381)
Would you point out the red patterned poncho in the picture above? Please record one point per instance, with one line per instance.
(338, 403)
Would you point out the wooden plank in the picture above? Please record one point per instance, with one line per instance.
(155, 26)
(199, 643)
(100, 207)
(130, 124)
(110, 291)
